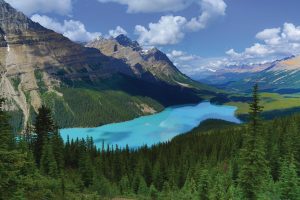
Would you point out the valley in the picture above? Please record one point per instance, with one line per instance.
(278, 81)
(90, 115)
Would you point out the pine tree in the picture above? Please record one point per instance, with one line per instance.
(125, 186)
(136, 183)
(48, 163)
(11, 160)
(148, 172)
(218, 190)
(6, 136)
(203, 184)
(143, 188)
(166, 190)
(153, 192)
(29, 165)
(86, 169)
(102, 186)
(44, 127)
(190, 189)
(58, 149)
(157, 176)
(253, 165)
(289, 181)
(117, 165)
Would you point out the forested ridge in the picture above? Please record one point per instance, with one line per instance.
(257, 160)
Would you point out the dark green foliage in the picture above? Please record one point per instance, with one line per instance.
(289, 180)
(207, 163)
(11, 160)
(124, 185)
(253, 165)
(44, 128)
(255, 111)
(16, 82)
(153, 192)
(48, 163)
(6, 137)
(40, 81)
(143, 189)
(57, 144)
(85, 168)
(97, 107)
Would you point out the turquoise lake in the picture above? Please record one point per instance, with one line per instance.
(152, 129)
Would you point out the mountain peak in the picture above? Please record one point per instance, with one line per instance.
(127, 42)
(123, 37)
(15, 22)
(158, 55)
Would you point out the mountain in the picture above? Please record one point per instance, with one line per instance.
(84, 86)
(151, 65)
(282, 76)
(28, 50)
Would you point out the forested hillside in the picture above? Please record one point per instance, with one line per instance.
(259, 160)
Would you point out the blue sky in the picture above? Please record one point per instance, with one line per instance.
(196, 34)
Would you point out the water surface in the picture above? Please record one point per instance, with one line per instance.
(152, 129)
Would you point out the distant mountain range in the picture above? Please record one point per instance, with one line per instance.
(282, 76)
(107, 80)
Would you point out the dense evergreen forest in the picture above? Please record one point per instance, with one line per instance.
(257, 160)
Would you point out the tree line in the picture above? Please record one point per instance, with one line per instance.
(257, 160)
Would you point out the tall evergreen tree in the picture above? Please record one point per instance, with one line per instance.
(125, 185)
(253, 165)
(289, 181)
(203, 184)
(218, 190)
(58, 149)
(44, 127)
(190, 189)
(86, 169)
(6, 136)
(48, 164)
(11, 160)
(143, 188)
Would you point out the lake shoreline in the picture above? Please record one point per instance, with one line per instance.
(156, 128)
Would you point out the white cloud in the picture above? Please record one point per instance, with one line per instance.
(180, 56)
(270, 36)
(74, 30)
(171, 29)
(62, 7)
(116, 32)
(273, 43)
(258, 50)
(168, 30)
(291, 32)
(184, 61)
(210, 10)
(232, 53)
(175, 54)
(148, 6)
